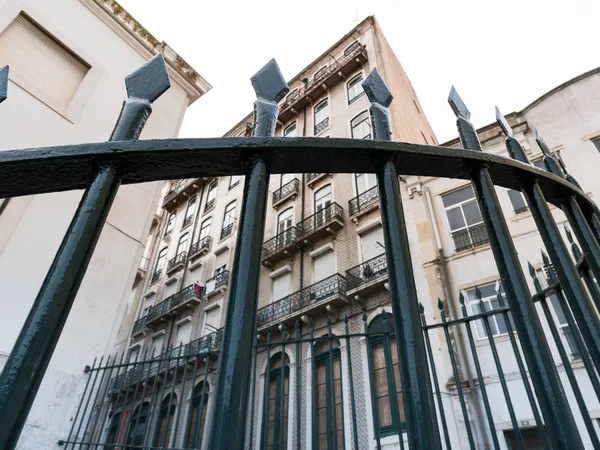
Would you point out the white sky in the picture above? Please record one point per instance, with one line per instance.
(504, 52)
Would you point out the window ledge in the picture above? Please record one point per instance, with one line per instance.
(520, 216)
(497, 339)
(470, 251)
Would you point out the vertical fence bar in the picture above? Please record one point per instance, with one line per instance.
(313, 391)
(197, 442)
(90, 371)
(552, 399)
(252, 408)
(351, 382)
(233, 376)
(436, 383)
(457, 377)
(566, 363)
(374, 405)
(95, 403)
(281, 418)
(264, 438)
(181, 400)
(27, 363)
(188, 428)
(392, 383)
(584, 270)
(135, 393)
(332, 390)
(567, 273)
(105, 416)
(422, 427)
(486, 401)
(298, 382)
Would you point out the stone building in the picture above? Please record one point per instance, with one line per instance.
(325, 370)
(68, 61)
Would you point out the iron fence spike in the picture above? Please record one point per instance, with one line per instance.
(461, 298)
(440, 304)
(545, 258)
(346, 319)
(3, 83)
(541, 143)
(569, 235)
(531, 270)
(477, 293)
(508, 131)
(150, 81)
(421, 308)
(376, 89)
(457, 104)
(268, 83)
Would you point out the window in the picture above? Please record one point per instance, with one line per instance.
(157, 344)
(164, 425)
(365, 181)
(559, 312)
(328, 407)
(211, 320)
(183, 333)
(281, 286)
(321, 116)
(489, 301)
(532, 440)
(137, 430)
(211, 196)
(221, 262)
(171, 222)
(160, 262)
(290, 130)
(113, 431)
(322, 205)
(319, 74)
(385, 376)
(517, 199)
(275, 437)
(464, 219)
(324, 265)
(38, 60)
(360, 127)
(234, 180)
(596, 142)
(285, 220)
(354, 88)
(286, 178)
(228, 219)
(204, 229)
(197, 416)
(351, 48)
(182, 245)
(134, 353)
(371, 243)
(189, 212)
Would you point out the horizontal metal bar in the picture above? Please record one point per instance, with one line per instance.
(480, 315)
(70, 167)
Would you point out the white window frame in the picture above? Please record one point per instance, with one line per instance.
(446, 208)
(360, 94)
(367, 119)
(328, 117)
(287, 133)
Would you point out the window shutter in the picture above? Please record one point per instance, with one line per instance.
(183, 333)
(211, 320)
(37, 57)
(369, 243)
(281, 286)
(324, 266)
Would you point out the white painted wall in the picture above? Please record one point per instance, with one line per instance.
(31, 228)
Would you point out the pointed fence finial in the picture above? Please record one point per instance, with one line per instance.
(376, 89)
(440, 304)
(569, 235)
(541, 143)
(457, 104)
(268, 83)
(3, 83)
(461, 298)
(545, 258)
(477, 293)
(150, 81)
(508, 131)
(421, 308)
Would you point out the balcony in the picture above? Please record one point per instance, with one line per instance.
(313, 178)
(226, 231)
(344, 66)
(209, 205)
(187, 222)
(364, 203)
(278, 247)
(470, 237)
(186, 298)
(183, 189)
(323, 223)
(288, 190)
(314, 299)
(176, 263)
(368, 277)
(216, 284)
(142, 371)
(155, 276)
(139, 325)
(201, 246)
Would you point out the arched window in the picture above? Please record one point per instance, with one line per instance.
(211, 196)
(360, 127)
(321, 116)
(327, 388)
(138, 425)
(384, 370)
(189, 212)
(204, 229)
(171, 222)
(164, 425)
(197, 416)
(274, 436)
(285, 220)
(322, 202)
(113, 431)
(290, 130)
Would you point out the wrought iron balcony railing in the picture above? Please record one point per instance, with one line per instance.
(187, 222)
(312, 178)
(209, 205)
(364, 201)
(279, 245)
(218, 281)
(226, 231)
(200, 246)
(156, 276)
(318, 294)
(330, 218)
(140, 324)
(367, 272)
(176, 262)
(323, 124)
(179, 189)
(470, 237)
(286, 191)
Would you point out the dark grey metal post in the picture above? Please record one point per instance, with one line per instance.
(419, 410)
(567, 273)
(33, 349)
(228, 419)
(551, 396)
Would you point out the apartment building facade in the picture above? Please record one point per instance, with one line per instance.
(325, 369)
(68, 61)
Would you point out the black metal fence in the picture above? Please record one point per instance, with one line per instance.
(413, 400)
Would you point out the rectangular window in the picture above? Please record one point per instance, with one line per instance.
(189, 212)
(596, 142)
(160, 262)
(324, 266)
(290, 130)
(204, 229)
(157, 345)
(211, 320)
(321, 116)
(40, 60)
(183, 333)
(281, 286)
(371, 243)
(360, 127)
(532, 440)
(464, 219)
(489, 301)
(211, 196)
(365, 181)
(221, 262)
(182, 245)
(134, 354)
(354, 88)
(234, 180)
(571, 344)
(171, 222)
(229, 216)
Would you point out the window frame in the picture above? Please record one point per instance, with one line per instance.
(356, 126)
(460, 205)
(170, 223)
(203, 227)
(323, 104)
(234, 181)
(161, 254)
(492, 319)
(198, 399)
(227, 214)
(166, 413)
(274, 375)
(183, 240)
(212, 187)
(360, 78)
(285, 132)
